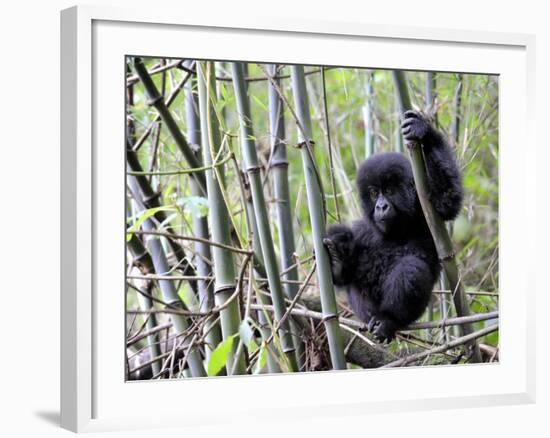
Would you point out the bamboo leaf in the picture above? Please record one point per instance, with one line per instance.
(146, 214)
(224, 93)
(252, 346)
(218, 358)
(259, 102)
(261, 358)
(196, 205)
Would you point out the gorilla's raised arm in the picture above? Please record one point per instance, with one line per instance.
(444, 179)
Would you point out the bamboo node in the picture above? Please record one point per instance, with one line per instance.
(278, 163)
(224, 288)
(305, 143)
(254, 169)
(447, 257)
(328, 317)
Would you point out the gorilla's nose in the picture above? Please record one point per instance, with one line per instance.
(382, 206)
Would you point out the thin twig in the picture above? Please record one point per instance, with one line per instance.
(133, 79)
(195, 239)
(329, 145)
(182, 171)
(416, 326)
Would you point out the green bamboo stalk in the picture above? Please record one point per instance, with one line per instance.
(368, 118)
(146, 303)
(253, 171)
(430, 83)
(457, 102)
(200, 224)
(279, 170)
(437, 227)
(258, 265)
(154, 98)
(430, 94)
(443, 305)
(272, 363)
(168, 291)
(429, 109)
(398, 139)
(316, 213)
(224, 268)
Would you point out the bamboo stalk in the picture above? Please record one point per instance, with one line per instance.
(264, 323)
(457, 103)
(316, 213)
(398, 139)
(430, 94)
(200, 224)
(368, 119)
(146, 303)
(253, 171)
(437, 227)
(279, 170)
(224, 268)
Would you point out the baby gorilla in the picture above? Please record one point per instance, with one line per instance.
(387, 260)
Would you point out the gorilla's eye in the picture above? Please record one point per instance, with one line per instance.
(389, 191)
(373, 193)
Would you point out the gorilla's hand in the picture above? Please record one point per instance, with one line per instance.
(336, 258)
(414, 127)
(339, 244)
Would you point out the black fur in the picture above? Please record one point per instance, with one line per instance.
(387, 260)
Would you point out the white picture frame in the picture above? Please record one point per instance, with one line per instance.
(94, 396)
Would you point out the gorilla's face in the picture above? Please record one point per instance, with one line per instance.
(386, 188)
(383, 211)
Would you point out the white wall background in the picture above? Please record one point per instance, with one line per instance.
(29, 219)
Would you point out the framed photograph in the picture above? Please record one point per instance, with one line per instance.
(316, 218)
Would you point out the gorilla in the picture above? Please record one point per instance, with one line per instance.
(387, 260)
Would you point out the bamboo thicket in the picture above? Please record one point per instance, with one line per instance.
(218, 199)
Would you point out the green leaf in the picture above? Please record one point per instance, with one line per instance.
(145, 214)
(219, 356)
(252, 346)
(259, 102)
(223, 92)
(196, 205)
(261, 358)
